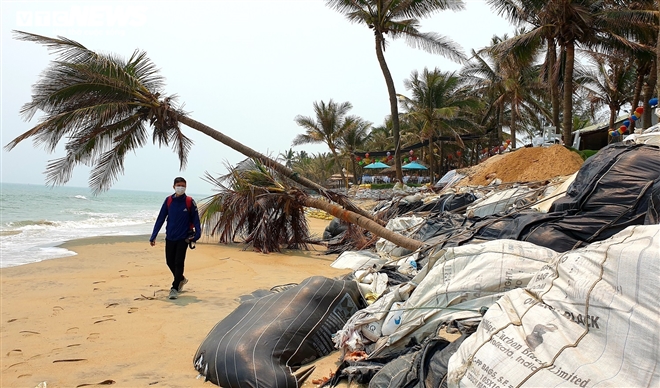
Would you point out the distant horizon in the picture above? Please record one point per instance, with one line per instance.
(67, 186)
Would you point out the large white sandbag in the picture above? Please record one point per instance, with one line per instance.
(454, 285)
(457, 282)
(589, 318)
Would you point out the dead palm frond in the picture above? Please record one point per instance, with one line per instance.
(256, 204)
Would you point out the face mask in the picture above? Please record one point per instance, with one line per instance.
(179, 190)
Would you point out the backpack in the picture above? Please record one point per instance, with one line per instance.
(188, 205)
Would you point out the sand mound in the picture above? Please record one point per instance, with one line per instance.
(523, 165)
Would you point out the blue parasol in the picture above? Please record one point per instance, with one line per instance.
(413, 166)
(376, 165)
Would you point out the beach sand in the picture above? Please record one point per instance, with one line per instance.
(103, 315)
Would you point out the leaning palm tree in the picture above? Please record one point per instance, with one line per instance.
(254, 202)
(400, 19)
(103, 105)
(329, 125)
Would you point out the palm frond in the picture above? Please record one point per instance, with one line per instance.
(254, 203)
(99, 105)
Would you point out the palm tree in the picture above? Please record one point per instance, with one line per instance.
(380, 137)
(591, 24)
(317, 167)
(522, 86)
(646, 61)
(509, 80)
(102, 105)
(399, 19)
(354, 140)
(330, 124)
(483, 73)
(438, 103)
(255, 202)
(526, 44)
(609, 81)
(288, 157)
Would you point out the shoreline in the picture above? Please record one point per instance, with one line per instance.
(103, 314)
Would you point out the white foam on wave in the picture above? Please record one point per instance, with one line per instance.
(79, 197)
(37, 242)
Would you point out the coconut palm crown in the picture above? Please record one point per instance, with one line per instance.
(400, 19)
(329, 125)
(101, 104)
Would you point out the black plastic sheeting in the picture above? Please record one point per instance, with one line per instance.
(444, 203)
(448, 203)
(416, 365)
(425, 368)
(334, 228)
(617, 187)
(266, 339)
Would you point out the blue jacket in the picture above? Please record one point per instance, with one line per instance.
(178, 220)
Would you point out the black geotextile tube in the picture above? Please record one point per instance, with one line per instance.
(266, 339)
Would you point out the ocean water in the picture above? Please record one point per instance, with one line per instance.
(35, 219)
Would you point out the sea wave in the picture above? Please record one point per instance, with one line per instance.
(29, 223)
(31, 243)
(36, 220)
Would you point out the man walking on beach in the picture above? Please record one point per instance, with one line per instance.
(182, 230)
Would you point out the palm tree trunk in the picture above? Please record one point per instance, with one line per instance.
(657, 65)
(432, 159)
(363, 222)
(500, 118)
(639, 85)
(394, 107)
(568, 93)
(341, 168)
(648, 94)
(513, 124)
(354, 168)
(612, 118)
(553, 80)
(249, 152)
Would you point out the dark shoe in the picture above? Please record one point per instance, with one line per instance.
(181, 284)
(173, 294)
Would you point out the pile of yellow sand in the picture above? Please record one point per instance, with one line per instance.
(523, 165)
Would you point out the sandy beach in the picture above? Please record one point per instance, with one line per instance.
(103, 315)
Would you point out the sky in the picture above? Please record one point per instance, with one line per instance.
(245, 68)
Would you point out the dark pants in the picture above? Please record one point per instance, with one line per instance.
(175, 255)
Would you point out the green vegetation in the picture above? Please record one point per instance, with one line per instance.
(586, 154)
(573, 64)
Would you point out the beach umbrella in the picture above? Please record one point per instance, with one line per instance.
(413, 166)
(376, 165)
